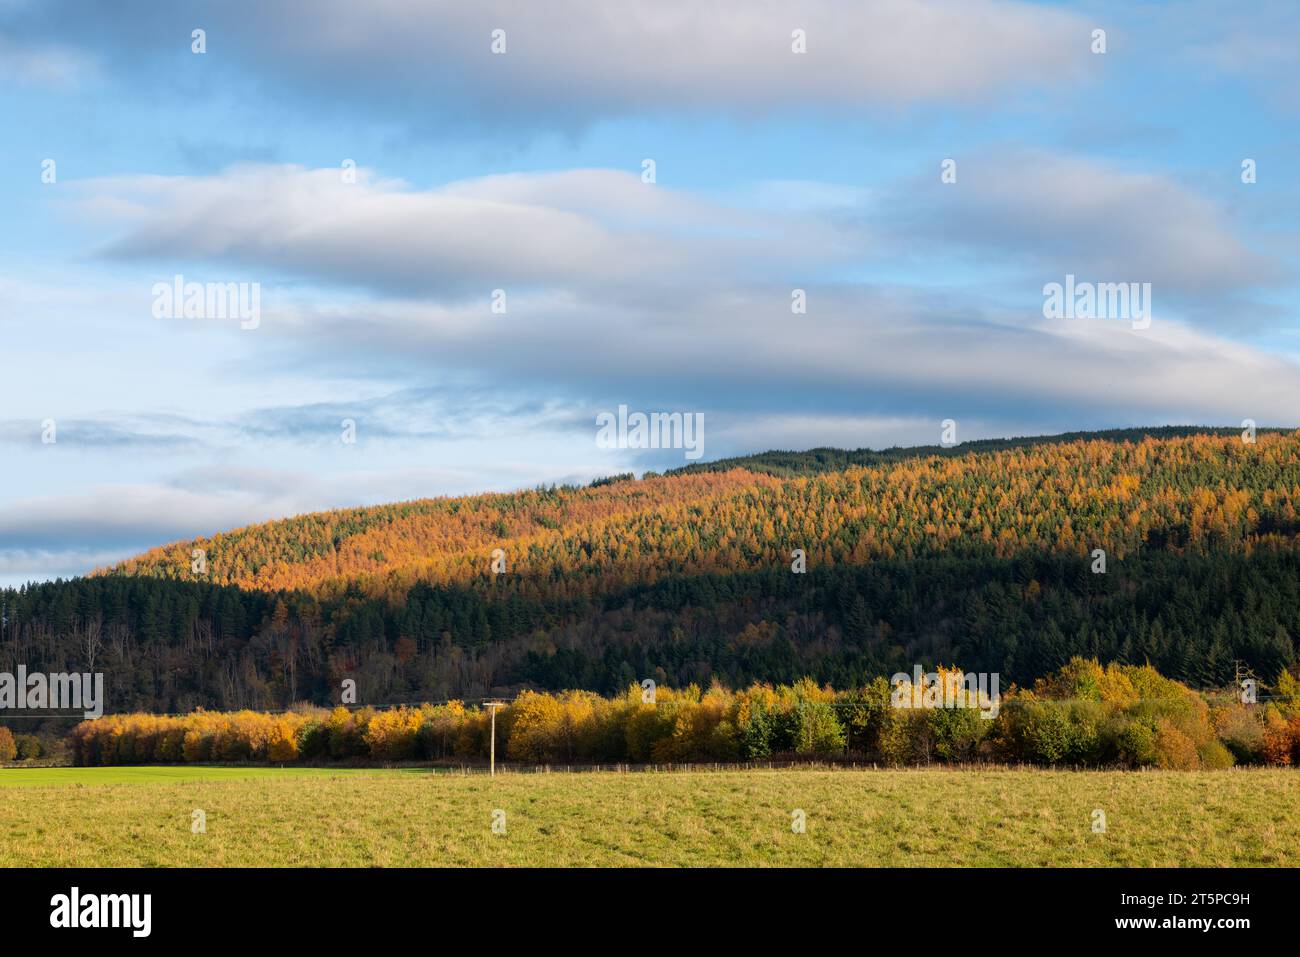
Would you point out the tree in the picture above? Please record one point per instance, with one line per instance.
(8, 749)
(820, 732)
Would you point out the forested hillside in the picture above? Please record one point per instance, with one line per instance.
(981, 557)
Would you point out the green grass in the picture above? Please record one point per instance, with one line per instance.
(361, 817)
(81, 777)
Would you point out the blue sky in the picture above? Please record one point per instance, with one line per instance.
(522, 171)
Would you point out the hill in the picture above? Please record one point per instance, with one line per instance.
(1069, 494)
(980, 555)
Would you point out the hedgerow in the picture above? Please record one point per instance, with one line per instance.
(1083, 715)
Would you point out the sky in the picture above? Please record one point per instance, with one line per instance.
(473, 228)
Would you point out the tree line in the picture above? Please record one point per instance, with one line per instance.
(1084, 714)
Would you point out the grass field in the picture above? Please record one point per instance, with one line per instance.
(324, 817)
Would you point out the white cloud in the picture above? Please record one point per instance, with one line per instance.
(1041, 215)
(589, 227)
(657, 297)
(604, 233)
(569, 62)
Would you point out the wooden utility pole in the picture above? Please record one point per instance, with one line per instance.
(492, 748)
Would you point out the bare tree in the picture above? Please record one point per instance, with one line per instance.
(90, 638)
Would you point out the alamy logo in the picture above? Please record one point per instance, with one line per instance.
(947, 689)
(211, 300)
(103, 910)
(56, 691)
(1098, 300)
(655, 430)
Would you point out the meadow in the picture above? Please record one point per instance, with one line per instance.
(258, 816)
